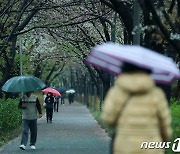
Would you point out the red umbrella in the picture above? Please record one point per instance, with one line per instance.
(51, 90)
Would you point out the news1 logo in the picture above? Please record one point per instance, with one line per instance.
(176, 145)
(162, 145)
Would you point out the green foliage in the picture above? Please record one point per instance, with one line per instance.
(27, 69)
(96, 115)
(10, 115)
(175, 112)
(10, 121)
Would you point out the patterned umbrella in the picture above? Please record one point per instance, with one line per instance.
(110, 57)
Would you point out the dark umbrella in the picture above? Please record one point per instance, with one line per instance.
(23, 83)
(61, 89)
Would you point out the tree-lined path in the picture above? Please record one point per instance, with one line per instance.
(73, 131)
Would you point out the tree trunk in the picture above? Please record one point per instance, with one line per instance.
(10, 62)
(177, 90)
(106, 84)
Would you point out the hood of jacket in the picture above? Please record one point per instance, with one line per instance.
(135, 82)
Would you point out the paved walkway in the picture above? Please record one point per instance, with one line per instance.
(73, 131)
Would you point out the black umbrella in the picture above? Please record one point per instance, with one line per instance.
(61, 89)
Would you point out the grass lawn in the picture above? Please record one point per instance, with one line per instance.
(175, 111)
(9, 135)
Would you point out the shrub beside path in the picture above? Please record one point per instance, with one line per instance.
(73, 131)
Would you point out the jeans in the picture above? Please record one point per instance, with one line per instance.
(26, 126)
(62, 100)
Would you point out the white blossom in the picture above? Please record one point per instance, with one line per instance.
(175, 36)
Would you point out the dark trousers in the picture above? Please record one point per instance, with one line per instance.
(26, 126)
(62, 100)
(56, 106)
(71, 100)
(49, 114)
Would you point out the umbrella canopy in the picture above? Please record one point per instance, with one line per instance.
(61, 89)
(70, 91)
(24, 83)
(110, 57)
(51, 90)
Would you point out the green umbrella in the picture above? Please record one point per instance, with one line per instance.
(23, 83)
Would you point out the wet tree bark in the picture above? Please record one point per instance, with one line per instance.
(177, 91)
(9, 61)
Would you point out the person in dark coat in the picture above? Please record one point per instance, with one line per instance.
(71, 98)
(49, 100)
(56, 104)
(62, 98)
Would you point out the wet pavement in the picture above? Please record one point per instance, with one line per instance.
(73, 131)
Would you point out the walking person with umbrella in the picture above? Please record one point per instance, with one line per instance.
(62, 90)
(135, 106)
(71, 98)
(62, 98)
(139, 113)
(49, 100)
(56, 103)
(71, 93)
(29, 104)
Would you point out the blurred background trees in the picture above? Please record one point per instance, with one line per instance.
(57, 35)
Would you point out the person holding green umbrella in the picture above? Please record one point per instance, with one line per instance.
(29, 104)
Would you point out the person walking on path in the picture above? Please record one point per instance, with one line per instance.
(56, 104)
(62, 98)
(139, 111)
(74, 132)
(29, 105)
(49, 100)
(71, 98)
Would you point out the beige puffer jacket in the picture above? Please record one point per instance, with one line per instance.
(146, 116)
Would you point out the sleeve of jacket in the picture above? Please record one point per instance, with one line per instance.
(112, 106)
(164, 117)
(38, 105)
